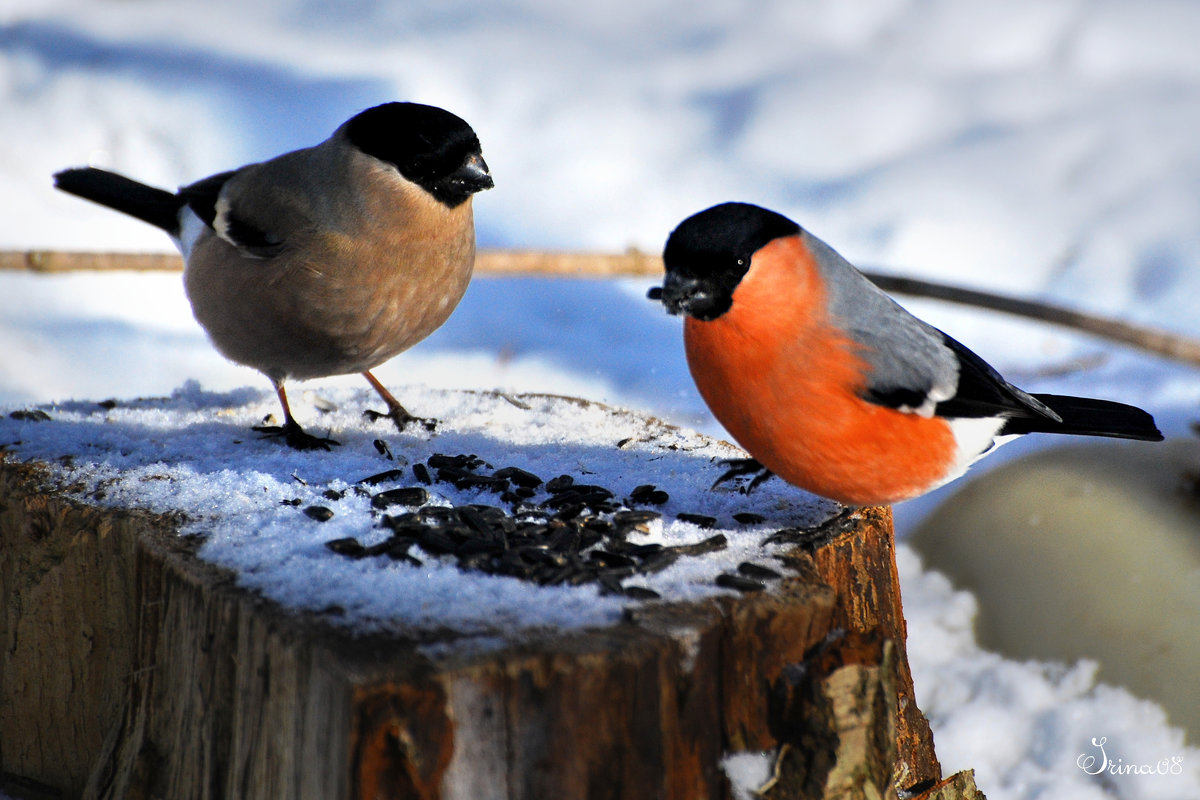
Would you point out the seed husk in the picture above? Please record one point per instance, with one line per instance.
(728, 580)
(699, 520)
(758, 572)
(411, 496)
(319, 513)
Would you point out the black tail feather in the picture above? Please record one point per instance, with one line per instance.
(156, 206)
(1085, 416)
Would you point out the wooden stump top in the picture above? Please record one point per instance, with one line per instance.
(171, 577)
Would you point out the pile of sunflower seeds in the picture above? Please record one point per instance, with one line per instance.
(577, 534)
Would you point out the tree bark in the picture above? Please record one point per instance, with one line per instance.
(130, 668)
(860, 565)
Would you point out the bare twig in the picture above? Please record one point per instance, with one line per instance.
(634, 263)
(70, 261)
(500, 262)
(631, 263)
(1163, 343)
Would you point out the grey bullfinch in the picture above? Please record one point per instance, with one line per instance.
(327, 260)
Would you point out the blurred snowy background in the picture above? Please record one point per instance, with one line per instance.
(1046, 148)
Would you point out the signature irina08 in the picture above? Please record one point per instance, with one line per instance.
(1100, 763)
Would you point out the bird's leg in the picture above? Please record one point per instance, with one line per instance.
(396, 412)
(743, 466)
(290, 431)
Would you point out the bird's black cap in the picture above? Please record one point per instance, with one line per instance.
(709, 241)
(708, 254)
(430, 146)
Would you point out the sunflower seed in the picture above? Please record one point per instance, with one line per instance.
(728, 580)
(710, 545)
(348, 546)
(382, 477)
(319, 513)
(410, 496)
(751, 570)
(518, 477)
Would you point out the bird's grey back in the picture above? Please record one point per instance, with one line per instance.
(905, 354)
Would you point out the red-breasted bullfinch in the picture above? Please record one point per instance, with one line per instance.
(328, 260)
(831, 385)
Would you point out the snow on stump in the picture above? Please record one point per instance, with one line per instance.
(543, 598)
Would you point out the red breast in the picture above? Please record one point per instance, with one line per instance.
(786, 383)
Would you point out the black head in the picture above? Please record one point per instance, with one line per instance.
(707, 256)
(431, 147)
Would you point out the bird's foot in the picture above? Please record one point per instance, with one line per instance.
(400, 416)
(835, 526)
(737, 467)
(294, 436)
(812, 538)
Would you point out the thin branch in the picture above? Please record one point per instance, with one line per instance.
(634, 263)
(70, 261)
(1164, 343)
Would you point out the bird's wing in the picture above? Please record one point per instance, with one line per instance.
(911, 365)
(982, 392)
(220, 202)
(936, 374)
(201, 196)
(909, 372)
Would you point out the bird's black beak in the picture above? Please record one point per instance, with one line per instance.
(473, 175)
(681, 294)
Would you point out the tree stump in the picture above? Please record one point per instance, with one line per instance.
(132, 668)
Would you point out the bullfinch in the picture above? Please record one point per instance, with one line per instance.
(328, 260)
(831, 385)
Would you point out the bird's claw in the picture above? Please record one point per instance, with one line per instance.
(737, 467)
(401, 418)
(295, 437)
(812, 538)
